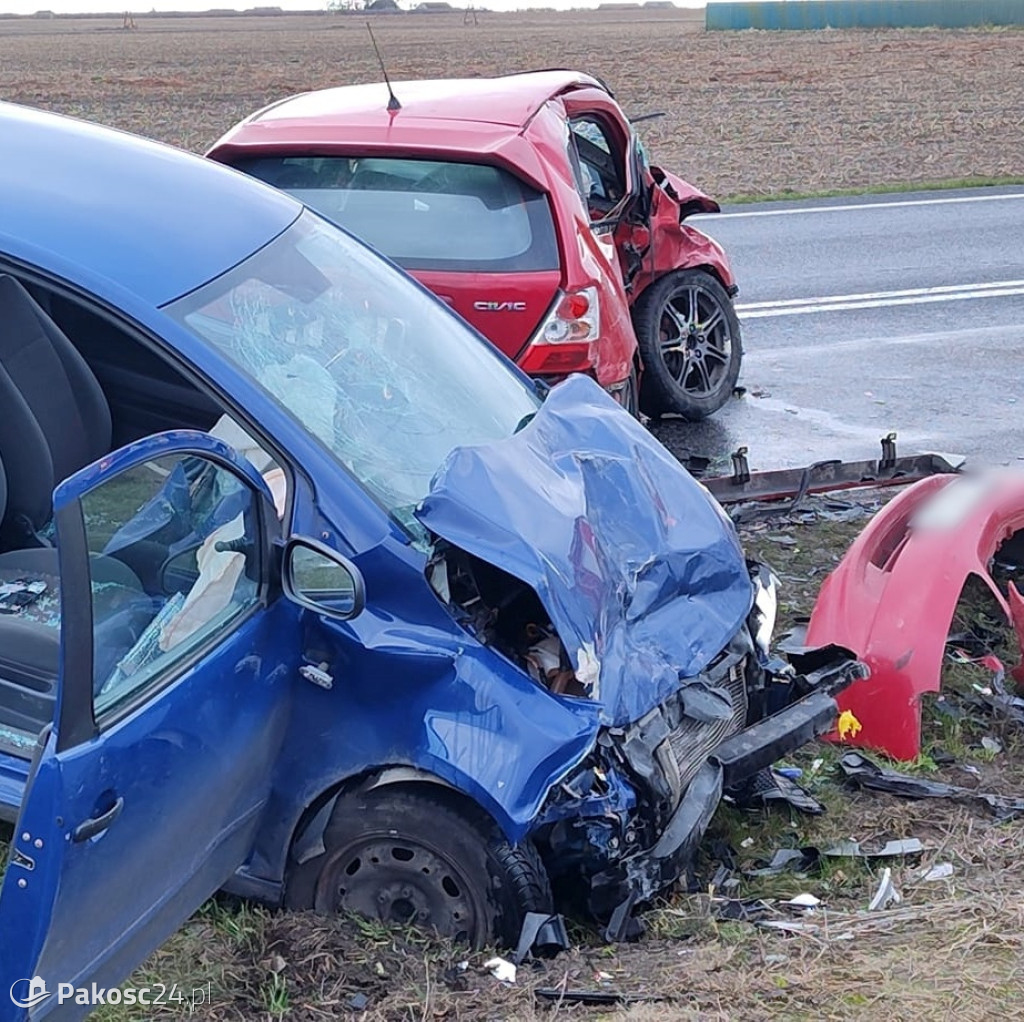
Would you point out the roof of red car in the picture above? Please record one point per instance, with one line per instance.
(511, 101)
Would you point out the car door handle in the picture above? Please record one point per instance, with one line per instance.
(97, 824)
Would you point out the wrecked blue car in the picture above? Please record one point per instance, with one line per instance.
(309, 594)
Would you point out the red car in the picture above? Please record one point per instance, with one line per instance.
(527, 203)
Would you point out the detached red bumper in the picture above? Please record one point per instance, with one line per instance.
(893, 596)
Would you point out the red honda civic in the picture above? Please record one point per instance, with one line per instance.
(527, 204)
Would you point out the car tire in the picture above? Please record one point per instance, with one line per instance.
(403, 857)
(689, 339)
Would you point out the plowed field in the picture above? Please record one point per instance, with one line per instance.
(745, 113)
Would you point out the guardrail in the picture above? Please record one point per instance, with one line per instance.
(817, 14)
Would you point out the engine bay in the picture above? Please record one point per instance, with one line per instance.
(506, 614)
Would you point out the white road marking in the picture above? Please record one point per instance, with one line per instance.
(978, 337)
(879, 299)
(848, 207)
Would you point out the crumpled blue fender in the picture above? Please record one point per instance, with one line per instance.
(639, 568)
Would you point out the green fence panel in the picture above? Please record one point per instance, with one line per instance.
(815, 14)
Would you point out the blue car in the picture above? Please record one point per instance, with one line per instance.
(308, 593)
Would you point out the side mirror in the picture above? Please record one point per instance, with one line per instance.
(317, 577)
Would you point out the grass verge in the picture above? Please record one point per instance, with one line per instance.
(883, 188)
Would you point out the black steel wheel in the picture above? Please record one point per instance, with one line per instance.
(402, 857)
(689, 339)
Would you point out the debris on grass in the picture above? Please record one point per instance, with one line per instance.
(773, 786)
(940, 871)
(501, 969)
(862, 772)
(803, 901)
(886, 893)
(890, 850)
(542, 935)
(795, 926)
(594, 997)
(787, 860)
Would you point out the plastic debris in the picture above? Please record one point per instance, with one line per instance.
(891, 849)
(847, 725)
(799, 926)
(501, 969)
(803, 901)
(769, 786)
(787, 860)
(739, 909)
(886, 893)
(992, 745)
(863, 772)
(541, 935)
(594, 997)
(358, 1002)
(455, 976)
(721, 878)
(940, 871)
(1003, 703)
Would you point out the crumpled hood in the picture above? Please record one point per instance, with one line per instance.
(640, 570)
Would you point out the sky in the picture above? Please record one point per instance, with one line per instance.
(86, 6)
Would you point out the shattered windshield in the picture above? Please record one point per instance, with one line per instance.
(384, 376)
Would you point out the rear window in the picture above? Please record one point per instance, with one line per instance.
(423, 214)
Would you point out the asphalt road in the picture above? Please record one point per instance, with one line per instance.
(866, 316)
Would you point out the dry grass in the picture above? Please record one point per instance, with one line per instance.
(746, 113)
(953, 948)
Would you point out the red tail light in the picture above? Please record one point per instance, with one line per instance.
(564, 341)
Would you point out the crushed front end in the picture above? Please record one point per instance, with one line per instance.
(581, 551)
(627, 823)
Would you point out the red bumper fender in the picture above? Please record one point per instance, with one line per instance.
(892, 598)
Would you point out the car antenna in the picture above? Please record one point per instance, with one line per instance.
(393, 103)
(652, 116)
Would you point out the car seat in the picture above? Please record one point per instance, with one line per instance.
(56, 418)
(294, 176)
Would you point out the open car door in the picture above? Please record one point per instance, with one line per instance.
(146, 791)
(610, 171)
(603, 144)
